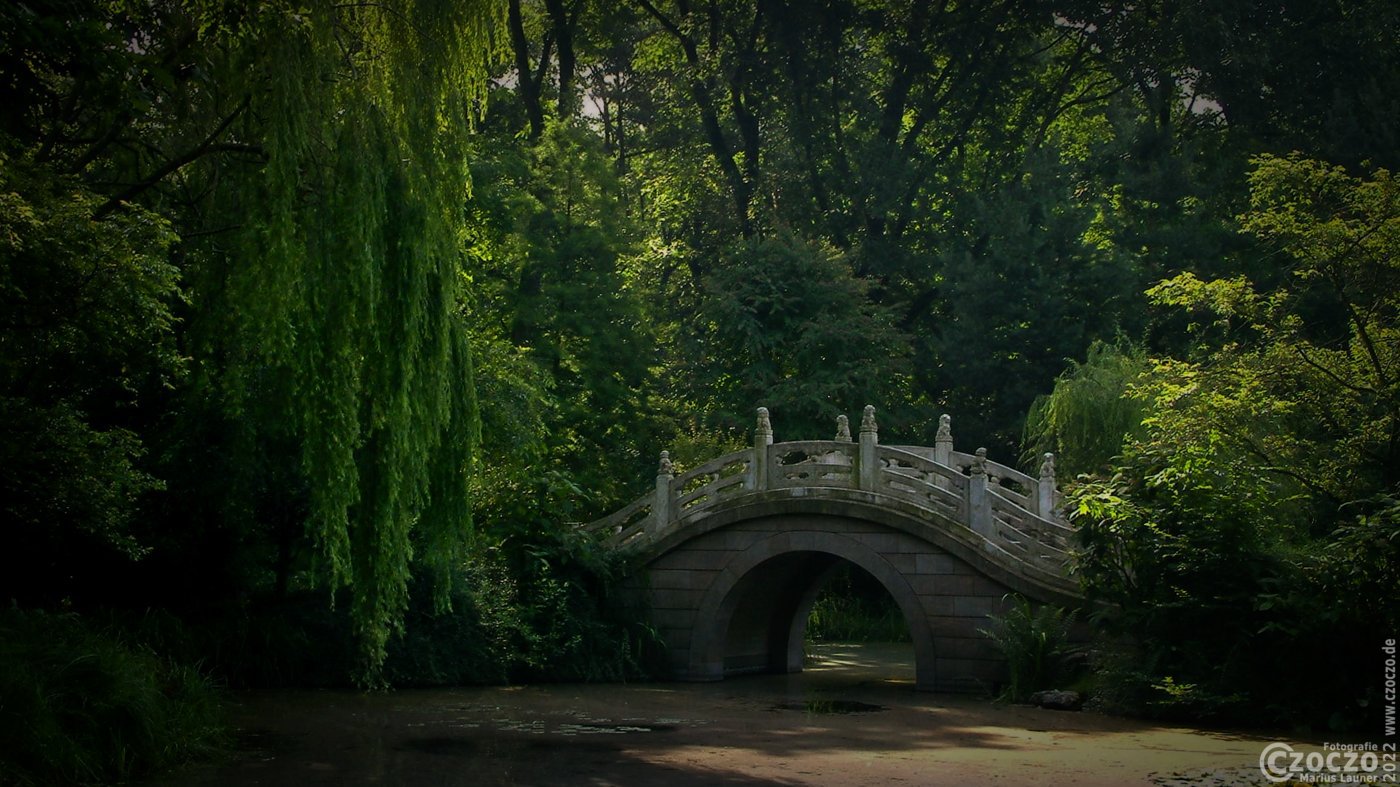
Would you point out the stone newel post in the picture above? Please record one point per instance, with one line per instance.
(1045, 489)
(943, 447)
(843, 429)
(661, 504)
(762, 438)
(869, 438)
(979, 503)
(943, 441)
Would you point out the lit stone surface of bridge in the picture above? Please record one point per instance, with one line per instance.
(736, 551)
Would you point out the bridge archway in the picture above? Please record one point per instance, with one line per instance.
(731, 593)
(753, 617)
(734, 550)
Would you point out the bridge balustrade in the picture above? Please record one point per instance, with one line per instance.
(1015, 513)
(828, 463)
(926, 483)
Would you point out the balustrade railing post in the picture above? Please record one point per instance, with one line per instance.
(1045, 487)
(943, 447)
(661, 503)
(869, 438)
(762, 438)
(843, 429)
(979, 501)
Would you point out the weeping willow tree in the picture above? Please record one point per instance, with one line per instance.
(334, 306)
(1089, 413)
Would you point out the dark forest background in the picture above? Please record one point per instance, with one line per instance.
(322, 325)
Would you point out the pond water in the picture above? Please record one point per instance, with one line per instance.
(851, 718)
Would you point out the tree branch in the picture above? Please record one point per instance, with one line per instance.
(172, 165)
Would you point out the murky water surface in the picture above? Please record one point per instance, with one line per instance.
(851, 718)
(824, 705)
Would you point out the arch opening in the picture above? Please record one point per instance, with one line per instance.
(754, 619)
(735, 600)
(777, 601)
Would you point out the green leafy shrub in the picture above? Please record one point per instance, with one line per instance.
(1035, 642)
(557, 622)
(779, 316)
(80, 705)
(846, 619)
(552, 601)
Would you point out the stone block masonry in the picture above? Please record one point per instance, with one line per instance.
(735, 551)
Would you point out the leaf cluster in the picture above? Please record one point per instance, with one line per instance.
(1256, 493)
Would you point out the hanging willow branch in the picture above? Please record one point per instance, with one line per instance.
(342, 283)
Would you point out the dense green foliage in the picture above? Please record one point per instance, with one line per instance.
(789, 324)
(82, 706)
(289, 190)
(336, 302)
(321, 324)
(1089, 413)
(1254, 513)
(88, 339)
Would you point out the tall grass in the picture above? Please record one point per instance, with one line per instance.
(854, 607)
(80, 706)
(837, 618)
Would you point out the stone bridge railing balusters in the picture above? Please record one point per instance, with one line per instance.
(943, 446)
(762, 438)
(1014, 512)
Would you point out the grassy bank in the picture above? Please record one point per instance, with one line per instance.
(83, 704)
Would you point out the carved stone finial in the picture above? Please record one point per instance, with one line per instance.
(843, 429)
(764, 425)
(1047, 467)
(664, 467)
(979, 462)
(867, 420)
(945, 428)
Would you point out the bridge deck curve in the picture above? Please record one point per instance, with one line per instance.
(994, 516)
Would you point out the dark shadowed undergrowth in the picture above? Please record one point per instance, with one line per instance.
(81, 705)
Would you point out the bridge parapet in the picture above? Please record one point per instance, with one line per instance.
(1015, 514)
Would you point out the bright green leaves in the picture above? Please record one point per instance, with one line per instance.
(83, 299)
(341, 307)
(1180, 541)
(1234, 297)
(1255, 502)
(1090, 412)
(1343, 236)
(1035, 642)
(1306, 379)
(557, 303)
(1321, 214)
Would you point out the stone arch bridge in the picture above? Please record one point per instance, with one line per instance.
(736, 550)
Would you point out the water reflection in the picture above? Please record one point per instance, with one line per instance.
(824, 706)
